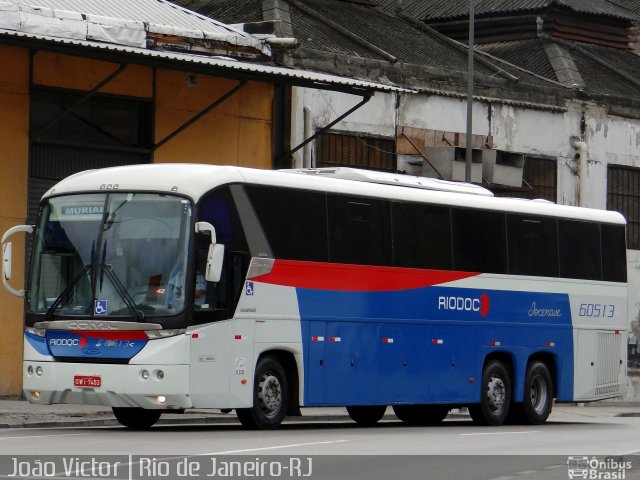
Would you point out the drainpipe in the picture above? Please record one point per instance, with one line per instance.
(581, 149)
(308, 131)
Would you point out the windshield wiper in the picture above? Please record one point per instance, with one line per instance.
(66, 291)
(122, 291)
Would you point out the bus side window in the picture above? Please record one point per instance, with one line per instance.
(359, 230)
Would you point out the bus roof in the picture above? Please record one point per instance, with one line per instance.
(194, 180)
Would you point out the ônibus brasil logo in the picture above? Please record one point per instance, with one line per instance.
(480, 304)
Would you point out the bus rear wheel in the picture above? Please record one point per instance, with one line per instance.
(270, 397)
(495, 396)
(136, 418)
(366, 415)
(421, 414)
(538, 394)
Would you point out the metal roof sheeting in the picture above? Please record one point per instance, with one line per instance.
(446, 9)
(294, 76)
(159, 12)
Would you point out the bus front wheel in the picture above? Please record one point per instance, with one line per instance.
(366, 415)
(495, 396)
(270, 397)
(136, 418)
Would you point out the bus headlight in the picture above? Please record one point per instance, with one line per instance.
(39, 371)
(156, 334)
(144, 374)
(30, 370)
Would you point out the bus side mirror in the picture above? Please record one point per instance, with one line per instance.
(216, 253)
(7, 249)
(214, 263)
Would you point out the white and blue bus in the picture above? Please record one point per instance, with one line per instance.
(160, 288)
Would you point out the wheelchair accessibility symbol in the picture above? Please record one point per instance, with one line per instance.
(249, 288)
(100, 307)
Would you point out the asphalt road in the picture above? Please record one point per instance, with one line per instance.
(337, 450)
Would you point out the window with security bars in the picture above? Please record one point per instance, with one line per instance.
(623, 195)
(357, 151)
(540, 176)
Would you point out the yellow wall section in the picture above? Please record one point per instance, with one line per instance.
(63, 71)
(14, 119)
(237, 132)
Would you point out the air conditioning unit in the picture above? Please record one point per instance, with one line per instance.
(502, 168)
(450, 163)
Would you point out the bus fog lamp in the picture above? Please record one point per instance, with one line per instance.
(161, 399)
(144, 374)
(39, 371)
(35, 395)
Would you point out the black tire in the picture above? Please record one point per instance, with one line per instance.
(136, 418)
(270, 397)
(495, 396)
(421, 414)
(366, 415)
(538, 394)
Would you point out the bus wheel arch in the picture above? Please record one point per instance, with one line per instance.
(273, 395)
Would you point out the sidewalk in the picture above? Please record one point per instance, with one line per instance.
(22, 414)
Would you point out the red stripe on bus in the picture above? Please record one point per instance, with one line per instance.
(358, 278)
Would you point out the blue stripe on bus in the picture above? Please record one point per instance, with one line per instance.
(426, 345)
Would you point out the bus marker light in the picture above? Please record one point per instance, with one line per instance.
(617, 332)
(240, 337)
(317, 339)
(437, 341)
(387, 340)
(243, 381)
(335, 339)
(195, 335)
(551, 344)
(494, 343)
(472, 379)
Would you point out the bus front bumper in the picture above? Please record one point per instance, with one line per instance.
(164, 387)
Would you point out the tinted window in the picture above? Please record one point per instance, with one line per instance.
(294, 221)
(219, 210)
(579, 250)
(479, 241)
(359, 230)
(533, 245)
(421, 236)
(614, 258)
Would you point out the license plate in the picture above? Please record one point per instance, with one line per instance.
(87, 381)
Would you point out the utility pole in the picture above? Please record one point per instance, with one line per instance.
(469, 142)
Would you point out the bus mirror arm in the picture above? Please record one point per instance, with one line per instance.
(215, 255)
(7, 249)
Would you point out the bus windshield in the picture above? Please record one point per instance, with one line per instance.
(110, 254)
